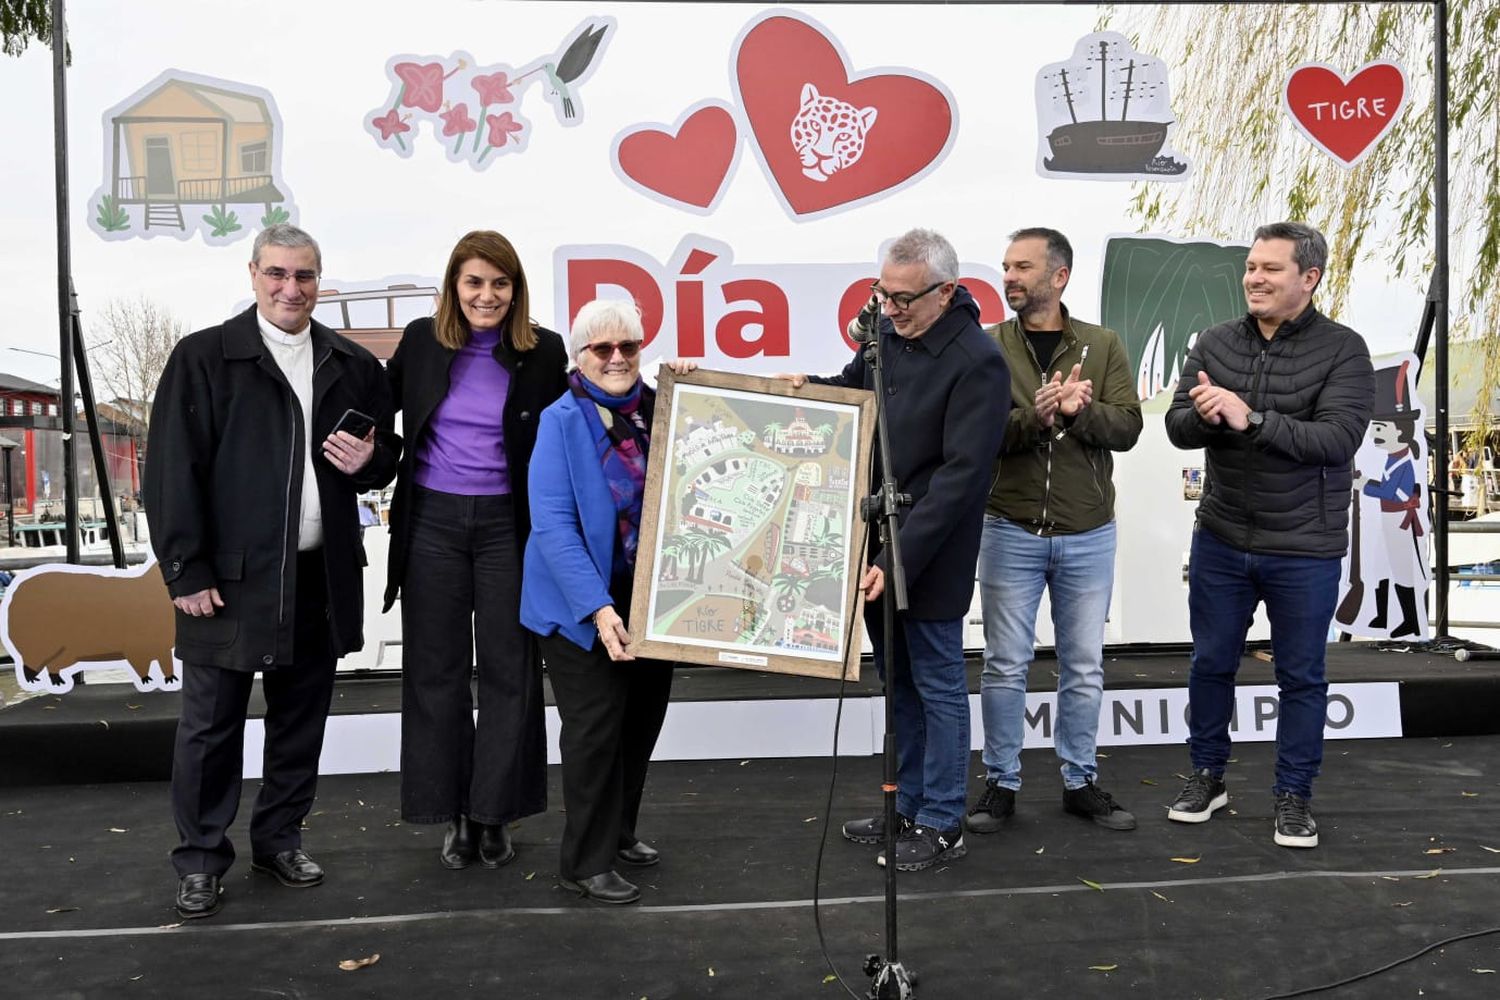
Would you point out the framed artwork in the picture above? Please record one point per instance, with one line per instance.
(751, 542)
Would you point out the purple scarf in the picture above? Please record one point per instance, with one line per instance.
(623, 448)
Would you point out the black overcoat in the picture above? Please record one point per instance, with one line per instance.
(223, 487)
(947, 396)
(419, 373)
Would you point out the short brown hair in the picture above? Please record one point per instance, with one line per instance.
(489, 246)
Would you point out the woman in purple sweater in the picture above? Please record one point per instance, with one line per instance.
(471, 384)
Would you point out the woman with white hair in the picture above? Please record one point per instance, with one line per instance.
(588, 479)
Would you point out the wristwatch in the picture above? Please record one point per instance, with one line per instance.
(1255, 419)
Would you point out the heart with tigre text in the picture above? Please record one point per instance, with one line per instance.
(688, 165)
(1345, 118)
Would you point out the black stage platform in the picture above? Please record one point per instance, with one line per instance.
(85, 906)
(111, 732)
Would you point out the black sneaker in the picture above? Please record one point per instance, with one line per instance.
(872, 830)
(1199, 799)
(993, 809)
(1295, 826)
(922, 847)
(1091, 801)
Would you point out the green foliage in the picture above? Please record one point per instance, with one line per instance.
(25, 21)
(1230, 63)
(112, 218)
(223, 222)
(275, 215)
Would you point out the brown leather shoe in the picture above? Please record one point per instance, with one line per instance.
(291, 868)
(458, 844)
(494, 846)
(198, 896)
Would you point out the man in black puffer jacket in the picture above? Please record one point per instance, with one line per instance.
(1278, 401)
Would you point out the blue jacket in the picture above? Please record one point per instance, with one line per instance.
(570, 553)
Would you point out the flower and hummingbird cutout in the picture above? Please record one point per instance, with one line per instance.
(475, 110)
(827, 137)
(1105, 113)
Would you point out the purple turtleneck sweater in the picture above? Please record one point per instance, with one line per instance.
(463, 450)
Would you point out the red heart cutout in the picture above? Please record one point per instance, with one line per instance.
(778, 58)
(1345, 118)
(689, 165)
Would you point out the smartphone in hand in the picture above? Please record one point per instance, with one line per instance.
(356, 423)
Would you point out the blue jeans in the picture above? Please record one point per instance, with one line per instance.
(929, 690)
(1224, 585)
(1078, 570)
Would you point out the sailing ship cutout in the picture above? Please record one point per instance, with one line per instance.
(1385, 583)
(1106, 114)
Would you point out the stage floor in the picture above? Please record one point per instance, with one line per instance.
(86, 908)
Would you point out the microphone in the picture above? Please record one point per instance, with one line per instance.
(863, 327)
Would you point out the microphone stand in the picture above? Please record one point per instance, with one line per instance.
(889, 979)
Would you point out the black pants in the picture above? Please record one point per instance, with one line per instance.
(461, 605)
(611, 715)
(208, 758)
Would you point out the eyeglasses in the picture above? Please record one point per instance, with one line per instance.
(627, 348)
(279, 274)
(901, 300)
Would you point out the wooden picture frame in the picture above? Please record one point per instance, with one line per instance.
(751, 539)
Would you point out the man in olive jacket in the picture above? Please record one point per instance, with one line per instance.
(1049, 523)
(1278, 400)
(250, 496)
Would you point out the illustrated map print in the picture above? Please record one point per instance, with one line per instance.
(1104, 114)
(475, 111)
(1158, 293)
(756, 523)
(189, 154)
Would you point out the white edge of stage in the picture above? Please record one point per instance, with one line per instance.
(803, 727)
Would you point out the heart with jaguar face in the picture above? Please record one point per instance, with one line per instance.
(827, 137)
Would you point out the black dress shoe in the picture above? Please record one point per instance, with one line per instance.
(494, 846)
(291, 868)
(458, 844)
(640, 854)
(606, 887)
(197, 896)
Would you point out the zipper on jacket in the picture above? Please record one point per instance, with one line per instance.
(1323, 498)
(1260, 363)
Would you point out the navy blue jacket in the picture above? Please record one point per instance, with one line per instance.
(947, 396)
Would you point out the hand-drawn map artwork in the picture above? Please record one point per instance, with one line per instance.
(441, 90)
(184, 143)
(1128, 92)
(1345, 117)
(1157, 293)
(58, 619)
(751, 540)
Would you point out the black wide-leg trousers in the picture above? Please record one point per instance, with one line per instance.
(611, 715)
(208, 756)
(461, 610)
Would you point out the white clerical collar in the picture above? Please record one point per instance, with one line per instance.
(276, 335)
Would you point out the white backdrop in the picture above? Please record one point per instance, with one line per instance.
(378, 214)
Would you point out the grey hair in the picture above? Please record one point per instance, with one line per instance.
(284, 234)
(605, 314)
(923, 246)
(1309, 250)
